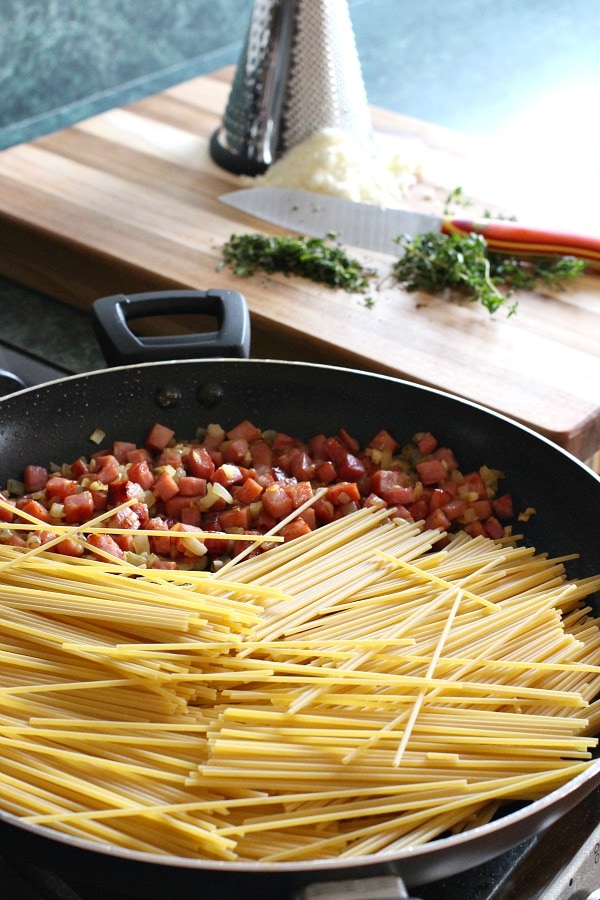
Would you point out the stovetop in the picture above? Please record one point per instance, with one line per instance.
(562, 863)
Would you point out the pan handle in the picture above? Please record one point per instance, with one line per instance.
(120, 346)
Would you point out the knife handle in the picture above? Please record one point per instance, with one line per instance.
(511, 237)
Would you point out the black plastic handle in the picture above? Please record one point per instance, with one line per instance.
(120, 346)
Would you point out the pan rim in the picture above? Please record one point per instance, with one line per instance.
(572, 792)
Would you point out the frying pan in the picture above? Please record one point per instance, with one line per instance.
(53, 422)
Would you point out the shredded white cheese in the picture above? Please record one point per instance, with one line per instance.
(332, 162)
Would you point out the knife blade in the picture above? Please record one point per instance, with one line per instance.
(374, 227)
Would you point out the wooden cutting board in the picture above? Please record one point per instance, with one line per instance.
(128, 201)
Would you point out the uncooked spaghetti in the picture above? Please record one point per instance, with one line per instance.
(348, 693)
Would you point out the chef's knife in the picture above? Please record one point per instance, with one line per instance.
(375, 227)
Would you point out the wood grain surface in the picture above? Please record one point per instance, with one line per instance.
(128, 201)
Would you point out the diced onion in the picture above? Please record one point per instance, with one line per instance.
(214, 492)
(136, 559)
(97, 436)
(141, 543)
(193, 545)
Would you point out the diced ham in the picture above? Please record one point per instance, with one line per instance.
(431, 471)
(141, 473)
(34, 479)
(165, 486)
(159, 436)
(105, 544)
(199, 462)
(122, 449)
(57, 488)
(246, 480)
(79, 507)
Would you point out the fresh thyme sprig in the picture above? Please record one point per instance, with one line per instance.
(435, 262)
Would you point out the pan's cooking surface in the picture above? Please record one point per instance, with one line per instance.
(54, 422)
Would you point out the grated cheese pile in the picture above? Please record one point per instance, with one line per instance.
(330, 161)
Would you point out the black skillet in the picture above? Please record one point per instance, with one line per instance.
(53, 422)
